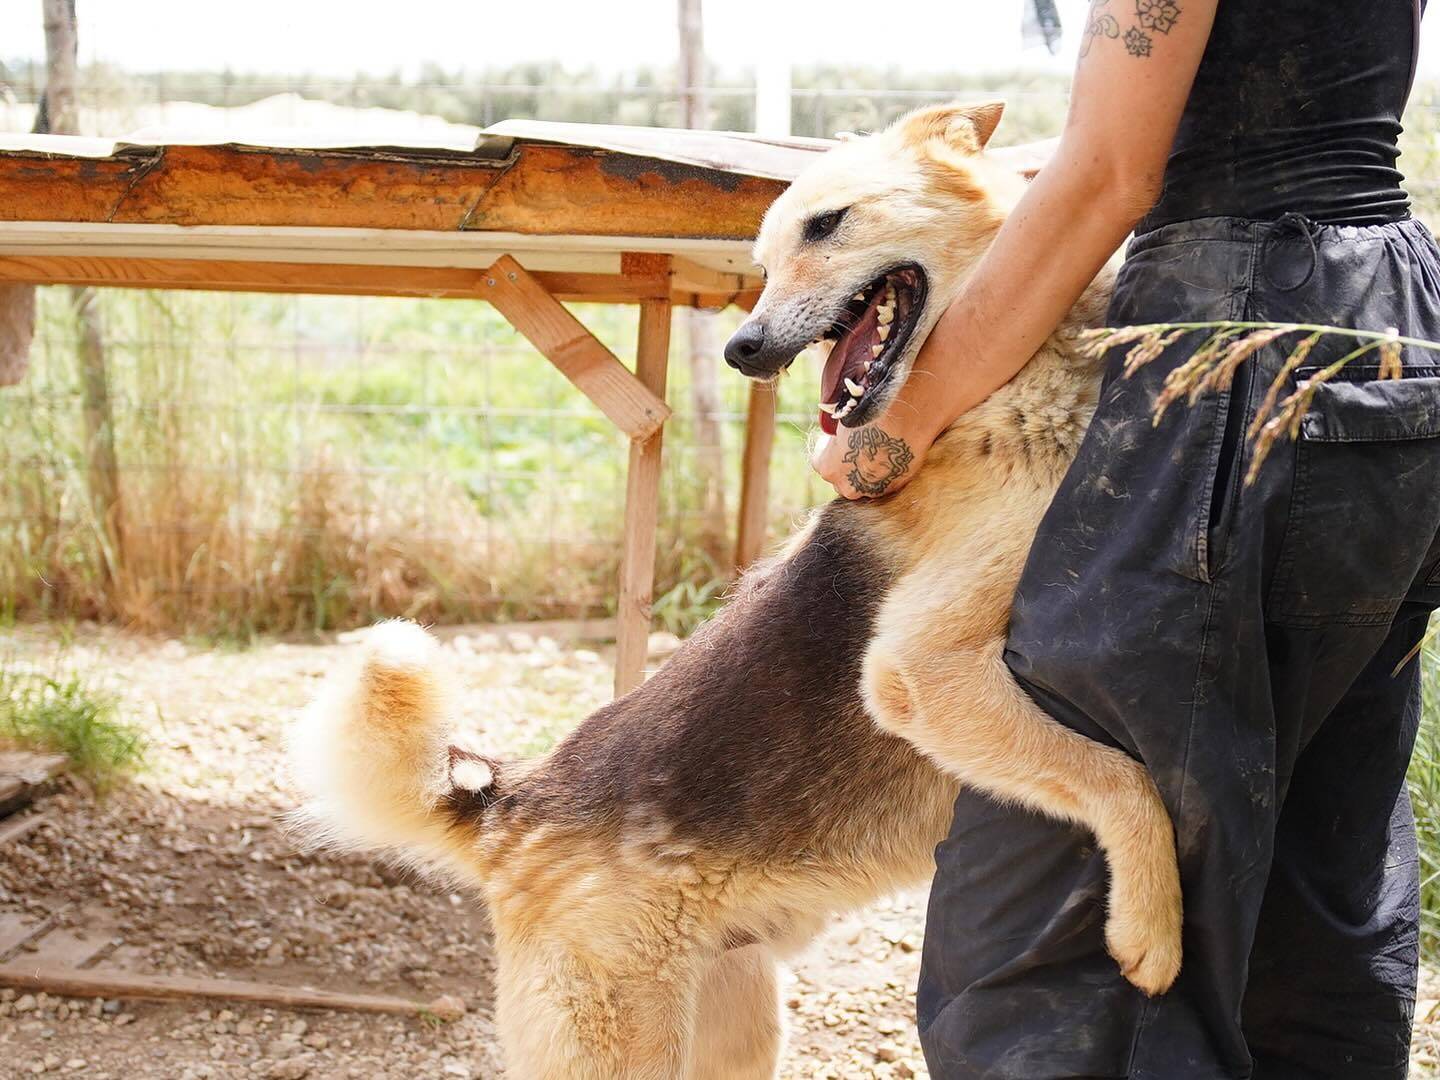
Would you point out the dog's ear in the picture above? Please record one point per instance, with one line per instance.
(966, 128)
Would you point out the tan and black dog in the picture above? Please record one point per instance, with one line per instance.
(800, 754)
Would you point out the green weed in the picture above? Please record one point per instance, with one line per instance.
(64, 714)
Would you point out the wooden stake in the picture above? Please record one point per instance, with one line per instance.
(755, 475)
(642, 506)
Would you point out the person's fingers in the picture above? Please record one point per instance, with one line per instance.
(826, 459)
(818, 450)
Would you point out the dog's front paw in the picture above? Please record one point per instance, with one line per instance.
(1147, 947)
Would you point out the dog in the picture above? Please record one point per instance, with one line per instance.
(799, 756)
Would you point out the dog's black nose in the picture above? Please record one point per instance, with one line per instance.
(745, 345)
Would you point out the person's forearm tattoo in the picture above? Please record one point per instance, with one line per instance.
(878, 460)
(1151, 17)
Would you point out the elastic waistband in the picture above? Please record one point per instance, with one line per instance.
(1248, 231)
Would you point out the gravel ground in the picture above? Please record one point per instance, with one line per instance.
(186, 865)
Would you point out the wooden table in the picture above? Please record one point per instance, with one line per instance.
(527, 217)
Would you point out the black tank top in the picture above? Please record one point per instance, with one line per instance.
(1296, 108)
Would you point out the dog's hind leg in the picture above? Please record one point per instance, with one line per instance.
(561, 1017)
(738, 1031)
(959, 704)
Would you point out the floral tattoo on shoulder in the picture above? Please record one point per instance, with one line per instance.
(1151, 17)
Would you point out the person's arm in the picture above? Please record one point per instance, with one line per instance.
(1136, 66)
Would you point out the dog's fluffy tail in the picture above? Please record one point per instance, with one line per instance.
(373, 754)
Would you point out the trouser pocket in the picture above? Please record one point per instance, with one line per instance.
(1366, 500)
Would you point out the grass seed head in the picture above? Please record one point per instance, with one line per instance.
(1390, 365)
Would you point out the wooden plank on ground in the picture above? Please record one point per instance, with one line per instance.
(73, 947)
(755, 475)
(579, 354)
(68, 982)
(88, 937)
(22, 773)
(642, 501)
(13, 829)
(17, 930)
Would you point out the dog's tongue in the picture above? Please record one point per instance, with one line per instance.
(846, 360)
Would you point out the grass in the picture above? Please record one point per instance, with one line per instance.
(64, 714)
(1424, 778)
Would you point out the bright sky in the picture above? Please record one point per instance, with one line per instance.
(341, 36)
(378, 36)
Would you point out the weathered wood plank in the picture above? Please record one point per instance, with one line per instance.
(17, 930)
(226, 185)
(540, 189)
(22, 773)
(553, 189)
(68, 982)
(379, 247)
(642, 503)
(579, 354)
(75, 946)
(332, 278)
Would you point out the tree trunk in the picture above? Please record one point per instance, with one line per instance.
(704, 356)
(60, 116)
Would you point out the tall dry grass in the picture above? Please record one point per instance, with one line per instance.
(293, 464)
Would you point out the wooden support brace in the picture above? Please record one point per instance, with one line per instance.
(630, 402)
(755, 475)
(642, 503)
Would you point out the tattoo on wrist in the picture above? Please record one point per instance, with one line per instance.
(1151, 17)
(878, 460)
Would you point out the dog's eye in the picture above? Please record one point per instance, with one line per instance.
(822, 225)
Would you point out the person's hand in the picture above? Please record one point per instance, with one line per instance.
(877, 459)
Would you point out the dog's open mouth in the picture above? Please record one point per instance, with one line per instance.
(866, 341)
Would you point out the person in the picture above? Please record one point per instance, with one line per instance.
(1253, 643)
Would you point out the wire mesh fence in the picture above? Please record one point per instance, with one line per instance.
(307, 462)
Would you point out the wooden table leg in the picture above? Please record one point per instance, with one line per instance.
(755, 475)
(642, 504)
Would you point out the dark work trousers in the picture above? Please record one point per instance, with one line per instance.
(1253, 646)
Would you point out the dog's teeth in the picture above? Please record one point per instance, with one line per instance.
(875, 351)
(858, 296)
(845, 411)
(868, 363)
(826, 407)
(882, 331)
(885, 315)
(854, 387)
